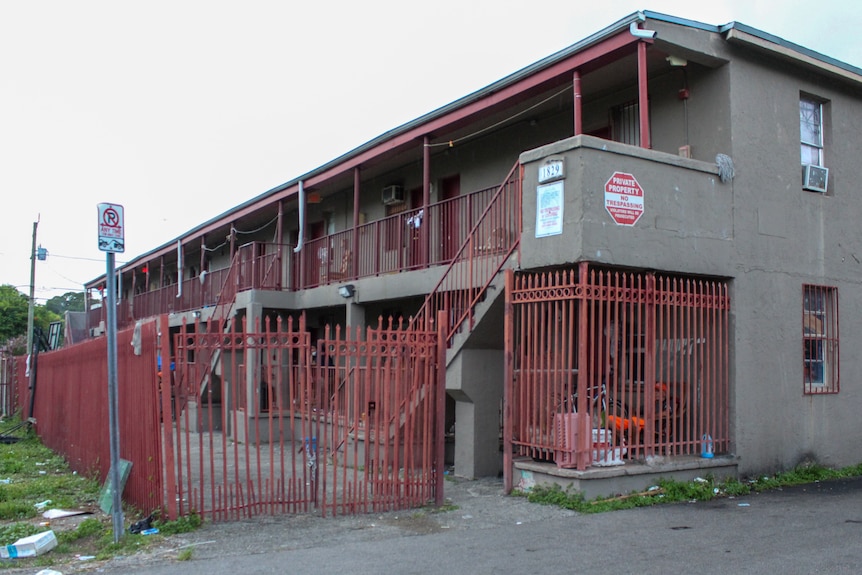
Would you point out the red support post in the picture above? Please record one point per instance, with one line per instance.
(576, 88)
(440, 428)
(508, 380)
(643, 95)
(426, 198)
(354, 264)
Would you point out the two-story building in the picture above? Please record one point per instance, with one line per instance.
(641, 240)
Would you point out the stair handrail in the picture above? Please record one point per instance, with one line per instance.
(425, 315)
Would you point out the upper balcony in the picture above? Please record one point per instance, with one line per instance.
(390, 245)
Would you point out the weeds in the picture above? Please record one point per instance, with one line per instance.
(30, 473)
(184, 555)
(33, 473)
(668, 491)
(180, 525)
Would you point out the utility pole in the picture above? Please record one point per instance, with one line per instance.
(31, 307)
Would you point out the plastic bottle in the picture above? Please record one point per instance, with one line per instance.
(707, 449)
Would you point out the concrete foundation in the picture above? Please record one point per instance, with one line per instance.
(617, 480)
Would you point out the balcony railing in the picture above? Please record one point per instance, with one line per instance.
(392, 244)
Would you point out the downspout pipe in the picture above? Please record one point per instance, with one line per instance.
(301, 239)
(180, 265)
(640, 33)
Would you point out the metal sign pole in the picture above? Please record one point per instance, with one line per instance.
(113, 403)
(112, 240)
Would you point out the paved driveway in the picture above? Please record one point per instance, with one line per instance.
(810, 529)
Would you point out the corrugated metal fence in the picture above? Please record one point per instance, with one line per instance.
(71, 409)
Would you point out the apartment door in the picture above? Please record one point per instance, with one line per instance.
(319, 253)
(415, 257)
(450, 236)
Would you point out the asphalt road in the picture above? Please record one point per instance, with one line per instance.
(809, 529)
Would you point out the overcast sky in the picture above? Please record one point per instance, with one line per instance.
(181, 110)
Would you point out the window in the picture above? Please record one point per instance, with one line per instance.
(393, 228)
(820, 339)
(625, 124)
(811, 129)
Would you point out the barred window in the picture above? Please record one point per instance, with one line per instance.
(820, 339)
(625, 124)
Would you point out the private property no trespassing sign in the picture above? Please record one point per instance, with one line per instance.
(624, 199)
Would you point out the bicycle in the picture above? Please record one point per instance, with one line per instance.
(597, 396)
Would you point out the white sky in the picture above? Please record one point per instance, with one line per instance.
(180, 110)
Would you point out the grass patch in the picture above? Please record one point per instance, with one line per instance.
(668, 491)
(30, 473)
(180, 525)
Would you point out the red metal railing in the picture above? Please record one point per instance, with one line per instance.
(259, 267)
(609, 366)
(493, 237)
(392, 244)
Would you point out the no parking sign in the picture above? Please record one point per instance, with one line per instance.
(112, 235)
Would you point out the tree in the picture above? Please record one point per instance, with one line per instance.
(14, 308)
(69, 301)
(13, 312)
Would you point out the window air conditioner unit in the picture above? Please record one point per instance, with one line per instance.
(392, 195)
(815, 178)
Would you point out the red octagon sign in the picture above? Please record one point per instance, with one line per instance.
(624, 199)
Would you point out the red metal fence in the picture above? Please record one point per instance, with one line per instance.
(13, 385)
(608, 366)
(268, 422)
(71, 409)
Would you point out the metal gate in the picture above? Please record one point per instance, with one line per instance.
(266, 421)
(608, 366)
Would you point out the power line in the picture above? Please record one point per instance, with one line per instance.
(80, 258)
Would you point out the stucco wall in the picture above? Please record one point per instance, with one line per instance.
(761, 230)
(787, 237)
(683, 200)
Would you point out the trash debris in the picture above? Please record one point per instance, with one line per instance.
(42, 504)
(57, 513)
(48, 572)
(142, 525)
(6, 481)
(743, 504)
(85, 557)
(150, 531)
(700, 480)
(31, 546)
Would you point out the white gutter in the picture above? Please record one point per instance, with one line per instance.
(638, 32)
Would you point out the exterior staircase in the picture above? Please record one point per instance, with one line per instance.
(472, 283)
